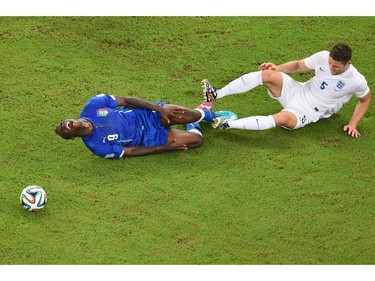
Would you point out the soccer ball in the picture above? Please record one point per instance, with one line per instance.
(33, 198)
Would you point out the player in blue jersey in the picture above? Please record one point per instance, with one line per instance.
(114, 127)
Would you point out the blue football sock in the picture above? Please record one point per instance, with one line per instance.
(194, 128)
(207, 115)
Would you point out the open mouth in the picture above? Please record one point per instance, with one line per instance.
(68, 125)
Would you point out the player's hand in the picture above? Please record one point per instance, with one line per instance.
(164, 112)
(175, 112)
(267, 65)
(352, 131)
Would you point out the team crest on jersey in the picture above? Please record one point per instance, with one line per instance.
(102, 112)
(340, 85)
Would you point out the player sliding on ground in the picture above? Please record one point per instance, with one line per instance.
(334, 83)
(114, 127)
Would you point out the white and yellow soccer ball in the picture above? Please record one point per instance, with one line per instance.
(33, 198)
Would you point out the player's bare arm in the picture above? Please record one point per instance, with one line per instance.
(165, 111)
(136, 102)
(171, 145)
(359, 112)
(289, 67)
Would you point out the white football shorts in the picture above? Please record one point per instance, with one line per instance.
(293, 99)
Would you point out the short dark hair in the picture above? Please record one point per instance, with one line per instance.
(341, 53)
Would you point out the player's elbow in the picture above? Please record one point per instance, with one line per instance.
(366, 99)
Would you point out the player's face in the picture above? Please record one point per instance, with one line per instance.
(67, 129)
(337, 67)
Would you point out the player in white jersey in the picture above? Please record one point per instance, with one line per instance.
(334, 83)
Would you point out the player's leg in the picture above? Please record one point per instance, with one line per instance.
(191, 139)
(284, 119)
(272, 79)
(248, 123)
(289, 93)
(190, 115)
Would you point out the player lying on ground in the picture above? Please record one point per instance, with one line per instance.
(114, 127)
(334, 83)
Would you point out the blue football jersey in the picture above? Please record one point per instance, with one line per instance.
(119, 127)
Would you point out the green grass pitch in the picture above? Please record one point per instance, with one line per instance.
(244, 197)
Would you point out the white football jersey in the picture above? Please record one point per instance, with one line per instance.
(328, 93)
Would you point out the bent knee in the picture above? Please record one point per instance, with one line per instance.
(270, 75)
(285, 119)
(195, 141)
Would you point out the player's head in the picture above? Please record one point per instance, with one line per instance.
(340, 58)
(68, 129)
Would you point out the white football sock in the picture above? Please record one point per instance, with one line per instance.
(241, 85)
(253, 123)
